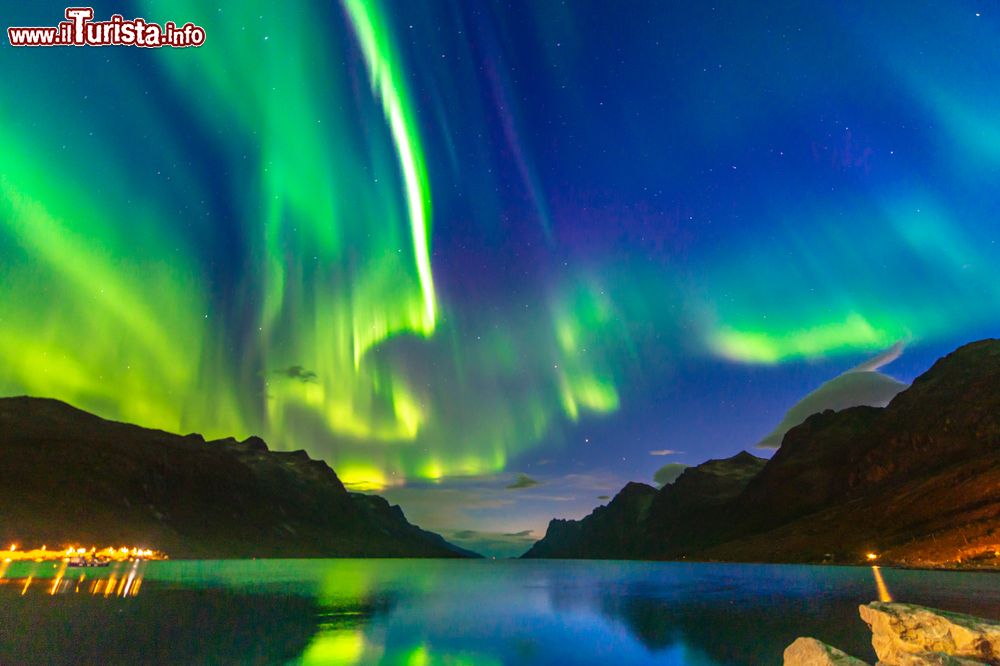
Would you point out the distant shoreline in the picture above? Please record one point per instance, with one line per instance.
(858, 565)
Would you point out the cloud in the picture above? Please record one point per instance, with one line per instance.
(598, 481)
(861, 385)
(885, 358)
(664, 452)
(668, 473)
(554, 498)
(523, 481)
(299, 373)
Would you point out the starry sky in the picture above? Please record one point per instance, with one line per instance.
(493, 259)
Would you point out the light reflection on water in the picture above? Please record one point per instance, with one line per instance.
(122, 579)
(880, 586)
(451, 612)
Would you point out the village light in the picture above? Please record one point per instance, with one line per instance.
(73, 554)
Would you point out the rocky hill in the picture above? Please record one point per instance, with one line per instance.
(640, 517)
(916, 483)
(67, 476)
(611, 532)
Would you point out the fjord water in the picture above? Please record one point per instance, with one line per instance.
(450, 612)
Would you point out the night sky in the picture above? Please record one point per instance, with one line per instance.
(494, 259)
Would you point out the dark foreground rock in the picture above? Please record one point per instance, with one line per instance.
(915, 483)
(67, 476)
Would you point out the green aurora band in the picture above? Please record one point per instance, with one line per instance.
(278, 280)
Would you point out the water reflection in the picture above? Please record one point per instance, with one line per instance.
(436, 612)
(58, 578)
(738, 631)
(59, 616)
(883, 591)
(341, 636)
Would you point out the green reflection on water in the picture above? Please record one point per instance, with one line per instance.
(422, 612)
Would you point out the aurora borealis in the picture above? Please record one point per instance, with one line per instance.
(441, 244)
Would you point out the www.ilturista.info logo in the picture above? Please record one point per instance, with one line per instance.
(79, 29)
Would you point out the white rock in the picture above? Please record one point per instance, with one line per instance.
(909, 635)
(811, 652)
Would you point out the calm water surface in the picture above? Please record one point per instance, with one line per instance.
(450, 612)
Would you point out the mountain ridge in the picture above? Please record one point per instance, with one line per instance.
(69, 476)
(914, 483)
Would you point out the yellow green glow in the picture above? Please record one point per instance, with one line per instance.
(338, 647)
(418, 656)
(70, 277)
(361, 477)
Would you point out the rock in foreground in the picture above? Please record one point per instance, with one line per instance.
(906, 634)
(909, 635)
(811, 652)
